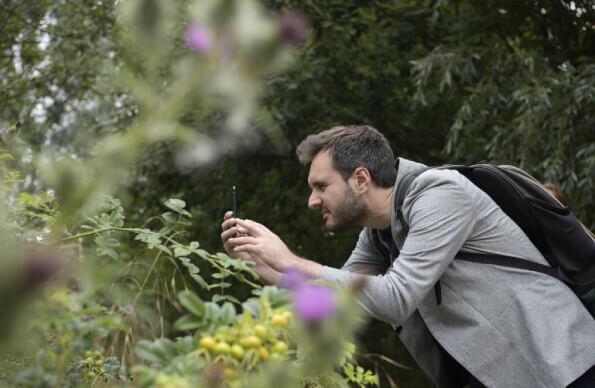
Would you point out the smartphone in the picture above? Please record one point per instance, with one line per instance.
(234, 204)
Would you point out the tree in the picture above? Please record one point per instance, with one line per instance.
(460, 81)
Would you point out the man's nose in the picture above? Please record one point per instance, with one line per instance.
(314, 201)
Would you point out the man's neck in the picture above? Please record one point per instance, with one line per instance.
(379, 203)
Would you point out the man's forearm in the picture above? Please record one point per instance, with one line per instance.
(307, 267)
(267, 275)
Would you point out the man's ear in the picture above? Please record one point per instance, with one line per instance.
(361, 179)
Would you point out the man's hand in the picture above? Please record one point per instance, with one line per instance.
(252, 241)
(257, 240)
(260, 242)
(229, 230)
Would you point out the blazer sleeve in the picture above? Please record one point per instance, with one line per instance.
(365, 258)
(441, 217)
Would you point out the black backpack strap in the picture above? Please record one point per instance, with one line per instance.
(507, 261)
(402, 190)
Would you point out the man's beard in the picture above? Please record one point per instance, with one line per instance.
(350, 212)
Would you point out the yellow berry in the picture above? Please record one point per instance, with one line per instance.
(207, 343)
(279, 320)
(263, 353)
(287, 314)
(251, 341)
(260, 331)
(221, 348)
(237, 351)
(280, 347)
(229, 373)
(98, 362)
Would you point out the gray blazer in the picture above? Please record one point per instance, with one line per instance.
(508, 327)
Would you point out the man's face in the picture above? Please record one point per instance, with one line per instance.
(338, 204)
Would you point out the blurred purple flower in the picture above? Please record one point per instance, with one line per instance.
(3, 131)
(293, 279)
(130, 309)
(85, 318)
(294, 27)
(314, 303)
(199, 38)
(40, 266)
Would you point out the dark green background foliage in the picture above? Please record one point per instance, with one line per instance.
(446, 81)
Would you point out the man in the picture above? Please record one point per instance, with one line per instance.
(490, 325)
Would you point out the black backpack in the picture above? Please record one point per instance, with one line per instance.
(560, 237)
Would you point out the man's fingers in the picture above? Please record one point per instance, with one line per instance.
(231, 232)
(228, 223)
(234, 231)
(245, 240)
(247, 248)
(252, 227)
(259, 226)
(228, 214)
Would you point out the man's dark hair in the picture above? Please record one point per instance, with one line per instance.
(350, 147)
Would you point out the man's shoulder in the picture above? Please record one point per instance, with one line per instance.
(449, 180)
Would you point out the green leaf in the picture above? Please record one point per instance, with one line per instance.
(228, 313)
(111, 322)
(252, 306)
(202, 253)
(170, 217)
(160, 351)
(212, 311)
(192, 303)
(233, 299)
(148, 237)
(181, 251)
(187, 322)
(144, 349)
(165, 349)
(164, 249)
(178, 206)
(104, 251)
(199, 279)
(193, 270)
(185, 222)
(218, 285)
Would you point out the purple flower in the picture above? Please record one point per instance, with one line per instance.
(130, 309)
(294, 27)
(3, 131)
(199, 38)
(293, 279)
(314, 303)
(41, 265)
(85, 318)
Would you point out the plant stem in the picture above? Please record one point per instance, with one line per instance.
(97, 231)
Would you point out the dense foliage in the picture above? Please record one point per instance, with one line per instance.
(111, 100)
